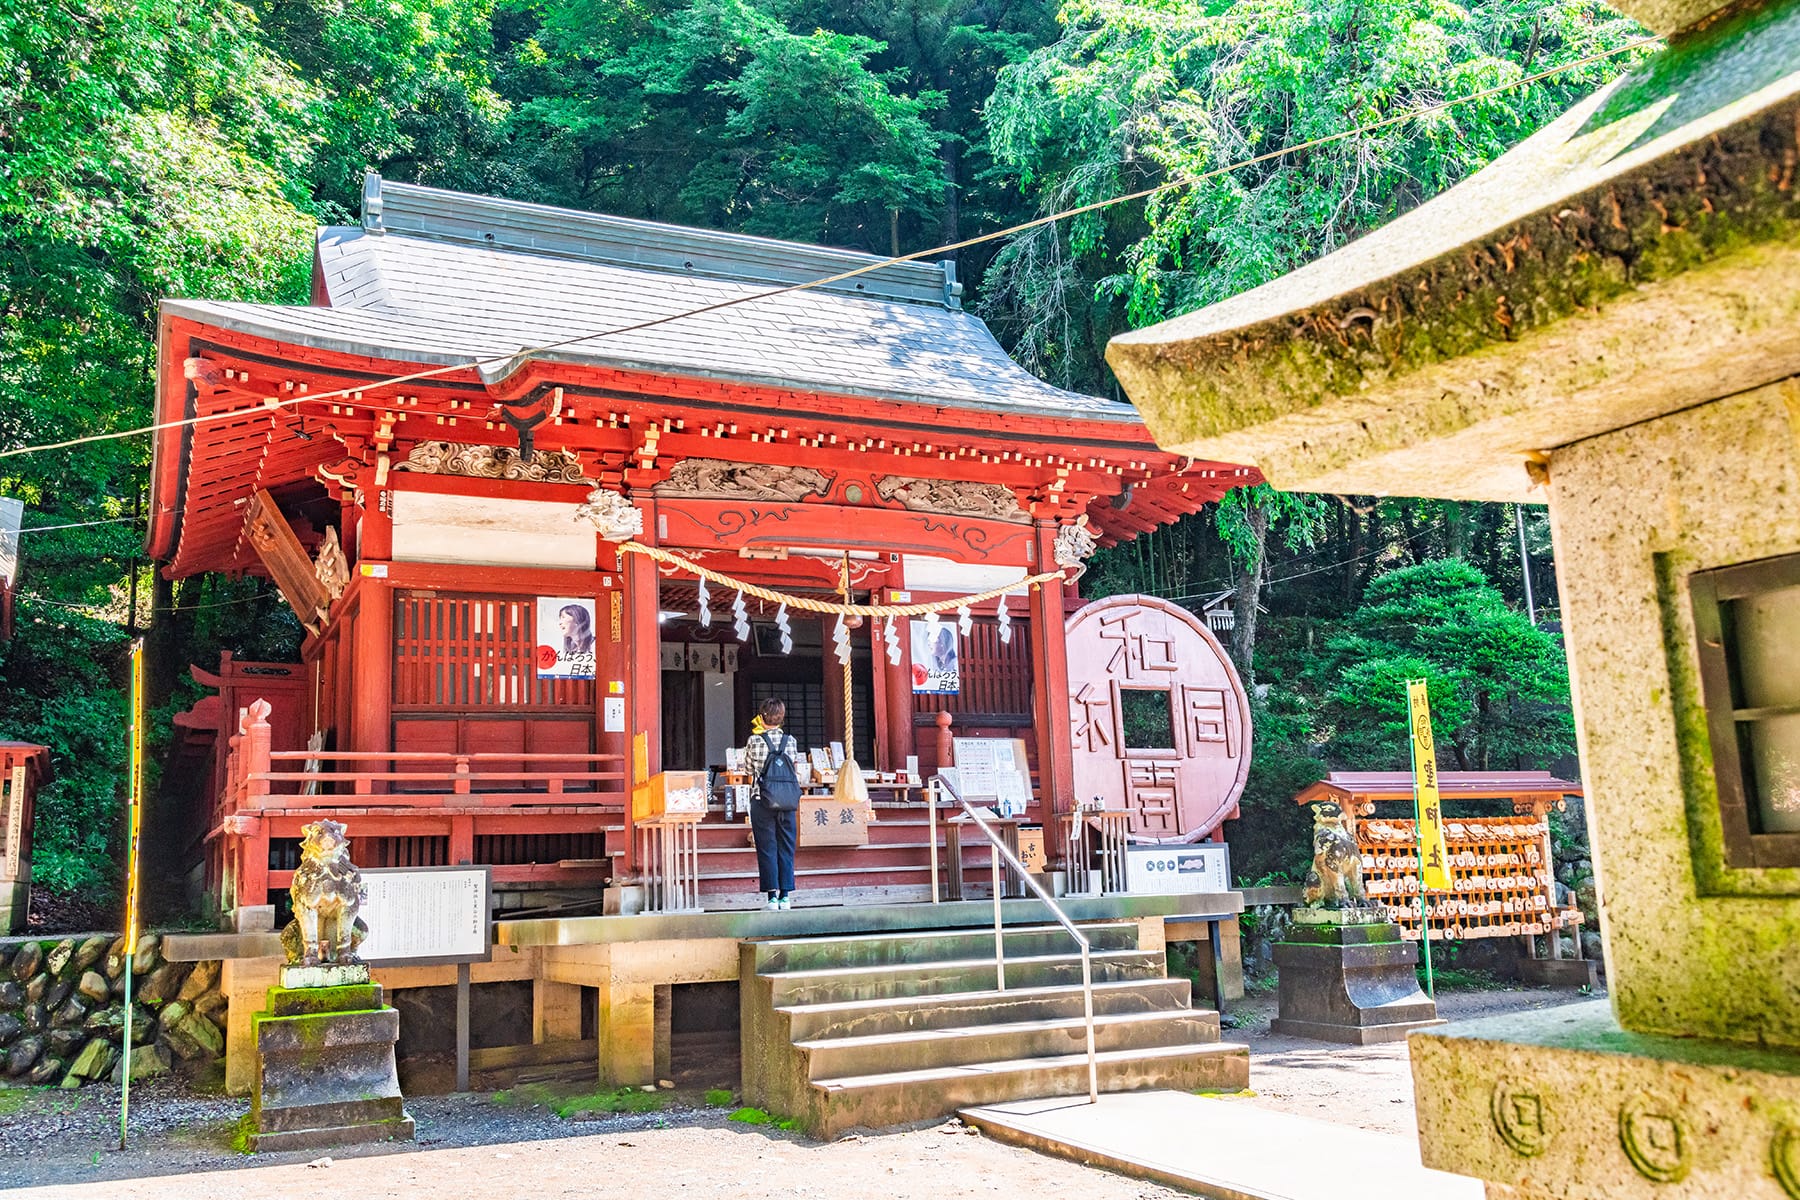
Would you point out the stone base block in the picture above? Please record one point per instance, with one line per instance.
(332, 976)
(15, 904)
(1349, 983)
(1564, 1103)
(1558, 972)
(1350, 1035)
(325, 1070)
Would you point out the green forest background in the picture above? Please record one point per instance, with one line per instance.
(154, 148)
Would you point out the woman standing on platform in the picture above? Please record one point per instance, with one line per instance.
(774, 799)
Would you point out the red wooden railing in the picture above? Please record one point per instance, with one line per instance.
(271, 792)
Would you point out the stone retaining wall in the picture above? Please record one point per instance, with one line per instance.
(62, 1009)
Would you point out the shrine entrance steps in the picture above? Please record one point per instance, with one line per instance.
(884, 1029)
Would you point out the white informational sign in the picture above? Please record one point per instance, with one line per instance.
(423, 915)
(1163, 870)
(565, 637)
(991, 769)
(936, 664)
(613, 714)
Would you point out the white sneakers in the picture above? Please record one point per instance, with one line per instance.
(785, 903)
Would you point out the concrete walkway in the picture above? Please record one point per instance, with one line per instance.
(1223, 1147)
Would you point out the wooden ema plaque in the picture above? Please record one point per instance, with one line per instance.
(1503, 885)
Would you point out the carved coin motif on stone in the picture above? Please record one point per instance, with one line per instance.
(1784, 1159)
(961, 498)
(493, 462)
(1656, 1138)
(1521, 1117)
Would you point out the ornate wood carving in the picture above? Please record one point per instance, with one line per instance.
(279, 548)
(330, 566)
(725, 525)
(1146, 646)
(713, 478)
(493, 462)
(962, 498)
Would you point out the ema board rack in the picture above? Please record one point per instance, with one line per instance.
(1500, 867)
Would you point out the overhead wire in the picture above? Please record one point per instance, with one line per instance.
(272, 403)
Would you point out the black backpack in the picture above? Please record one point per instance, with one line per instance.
(779, 783)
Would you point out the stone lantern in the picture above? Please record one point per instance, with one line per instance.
(1605, 320)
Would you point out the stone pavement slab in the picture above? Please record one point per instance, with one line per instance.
(1223, 1147)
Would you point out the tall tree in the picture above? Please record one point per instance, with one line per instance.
(1139, 92)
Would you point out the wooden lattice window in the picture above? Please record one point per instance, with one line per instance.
(1747, 619)
(471, 652)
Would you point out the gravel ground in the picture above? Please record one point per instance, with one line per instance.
(61, 1143)
(1366, 1086)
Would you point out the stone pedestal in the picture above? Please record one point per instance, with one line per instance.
(325, 1071)
(1349, 980)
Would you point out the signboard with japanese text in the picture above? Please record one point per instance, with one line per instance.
(936, 663)
(565, 637)
(1165, 870)
(421, 916)
(1434, 855)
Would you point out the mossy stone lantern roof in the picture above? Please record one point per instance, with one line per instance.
(1638, 256)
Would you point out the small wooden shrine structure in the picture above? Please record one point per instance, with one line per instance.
(407, 457)
(1503, 866)
(24, 768)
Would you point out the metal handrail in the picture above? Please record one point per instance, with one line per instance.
(1062, 918)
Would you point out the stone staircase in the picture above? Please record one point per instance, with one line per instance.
(883, 1029)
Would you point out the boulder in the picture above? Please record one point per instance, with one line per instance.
(148, 954)
(70, 1015)
(163, 983)
(23, 1053)
(10, 1027)
(65, 1042)
(193, 1036)
(34, 990)
(146, 1062)
(26, 962)
(212, 1006)
(115, 958)
(48, 1069)
(93, 985)
(56, 993)
(58, 961)
(11, 995)
(91, 951)
(34, 1016)
(1591, 946)
(201, 980)
(94, 1061)
(111, 1023)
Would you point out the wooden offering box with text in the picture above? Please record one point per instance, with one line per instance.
(670, 794)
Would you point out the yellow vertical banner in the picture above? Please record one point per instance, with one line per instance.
(1434, 855)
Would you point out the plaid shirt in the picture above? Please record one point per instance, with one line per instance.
(756, 754)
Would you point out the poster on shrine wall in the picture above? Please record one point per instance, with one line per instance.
(936, 667)
(565, 638)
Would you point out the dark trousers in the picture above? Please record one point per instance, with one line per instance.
(775, 833)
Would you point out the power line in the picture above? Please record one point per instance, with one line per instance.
(272, 403)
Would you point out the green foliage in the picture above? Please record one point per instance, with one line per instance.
(1499, 687)
(756, 1116)
(1140, 92)
(719, 1097)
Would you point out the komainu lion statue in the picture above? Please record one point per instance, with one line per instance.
(328, 890)
(1335, 880)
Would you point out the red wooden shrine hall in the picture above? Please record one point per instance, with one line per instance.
(405, 456)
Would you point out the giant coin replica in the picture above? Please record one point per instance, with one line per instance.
(325, 1073)
(1346, 974)
(1158, 717)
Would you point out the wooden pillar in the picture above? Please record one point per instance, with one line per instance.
(1050, 680)
(896, 680)
(946, 742)
(643, 663)
(372, 726)
(834, 687)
